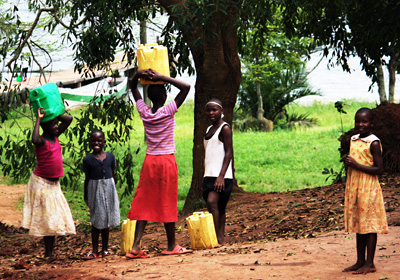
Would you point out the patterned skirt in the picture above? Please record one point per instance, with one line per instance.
(156, 195)
(46, 211)
(364, 210)
(103, 203)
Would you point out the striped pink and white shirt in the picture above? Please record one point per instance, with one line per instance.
(158, 127)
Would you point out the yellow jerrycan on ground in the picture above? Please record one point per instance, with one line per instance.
(201, 230)
(153, 56)
(127, 236)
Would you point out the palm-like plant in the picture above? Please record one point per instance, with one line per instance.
(278, 91)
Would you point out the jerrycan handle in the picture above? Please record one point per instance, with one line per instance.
(148, 45)
(39, 105)
(151, 45)
(141, 55)
(35, 93)
(154, 50)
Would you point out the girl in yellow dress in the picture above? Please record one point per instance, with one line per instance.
(364, 211)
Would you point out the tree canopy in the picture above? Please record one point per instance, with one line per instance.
(273, 70)
(368, 29)
(205, 32)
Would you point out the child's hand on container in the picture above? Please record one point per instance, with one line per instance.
(40, 113)
(155, 76)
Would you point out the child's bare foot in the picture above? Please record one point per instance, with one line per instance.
(221, 241)
(222, 244)
(354, 267)
(365, 269)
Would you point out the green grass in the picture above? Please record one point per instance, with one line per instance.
(278, 161)
(293, 159)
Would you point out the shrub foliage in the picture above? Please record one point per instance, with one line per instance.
(386, 126)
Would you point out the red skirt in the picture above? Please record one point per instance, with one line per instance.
(156, 195)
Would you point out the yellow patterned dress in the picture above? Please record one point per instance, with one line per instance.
(364, 211)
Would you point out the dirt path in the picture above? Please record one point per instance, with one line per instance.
(10, 194)
(322, 257)
(294, 235)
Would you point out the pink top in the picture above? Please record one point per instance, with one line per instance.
(158, 127)
(50, 162)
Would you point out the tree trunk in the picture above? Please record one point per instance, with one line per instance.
(143, 41)
(393, 63)
(218, 76)
(260, 107)
(381, 82)
(218, 72)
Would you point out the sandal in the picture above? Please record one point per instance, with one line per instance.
(105, 253)
(178, 250)
(90, 256)
(139, 255)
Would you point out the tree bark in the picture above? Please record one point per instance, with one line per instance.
(393, 64)
(218, 76)
(217, 64)
(381, 82)
(143, 41)
(260, 107)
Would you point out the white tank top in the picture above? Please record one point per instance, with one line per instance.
(214, 155)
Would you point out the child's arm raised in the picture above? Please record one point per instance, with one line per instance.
(65, 120)
(38, 140)
(219, 184)
(184, 87)
(134, 81)
(376, 169)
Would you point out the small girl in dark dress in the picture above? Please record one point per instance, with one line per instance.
(100, 193)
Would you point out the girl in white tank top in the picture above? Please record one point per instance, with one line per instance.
(218, 163)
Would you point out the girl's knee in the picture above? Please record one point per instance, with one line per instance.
(212, 205)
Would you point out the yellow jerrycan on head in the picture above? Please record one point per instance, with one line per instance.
(202, 231)
(127, 236)
(153, 56)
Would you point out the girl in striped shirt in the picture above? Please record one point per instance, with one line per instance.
(156, 195)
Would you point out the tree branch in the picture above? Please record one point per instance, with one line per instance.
(28, 35)
(38, 64)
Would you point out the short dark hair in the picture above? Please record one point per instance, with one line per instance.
(156, 92)
(367, 111)
(96, 131)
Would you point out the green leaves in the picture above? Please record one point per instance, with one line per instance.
(335, 176)
(278, 89)
(368, 29)
(112, 115)
(339, 107)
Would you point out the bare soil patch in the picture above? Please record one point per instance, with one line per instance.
(293, 235)
(9, 196)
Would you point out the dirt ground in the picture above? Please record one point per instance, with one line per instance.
(293, 235)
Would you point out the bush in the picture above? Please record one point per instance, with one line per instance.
(277, 92)
(386, 126)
